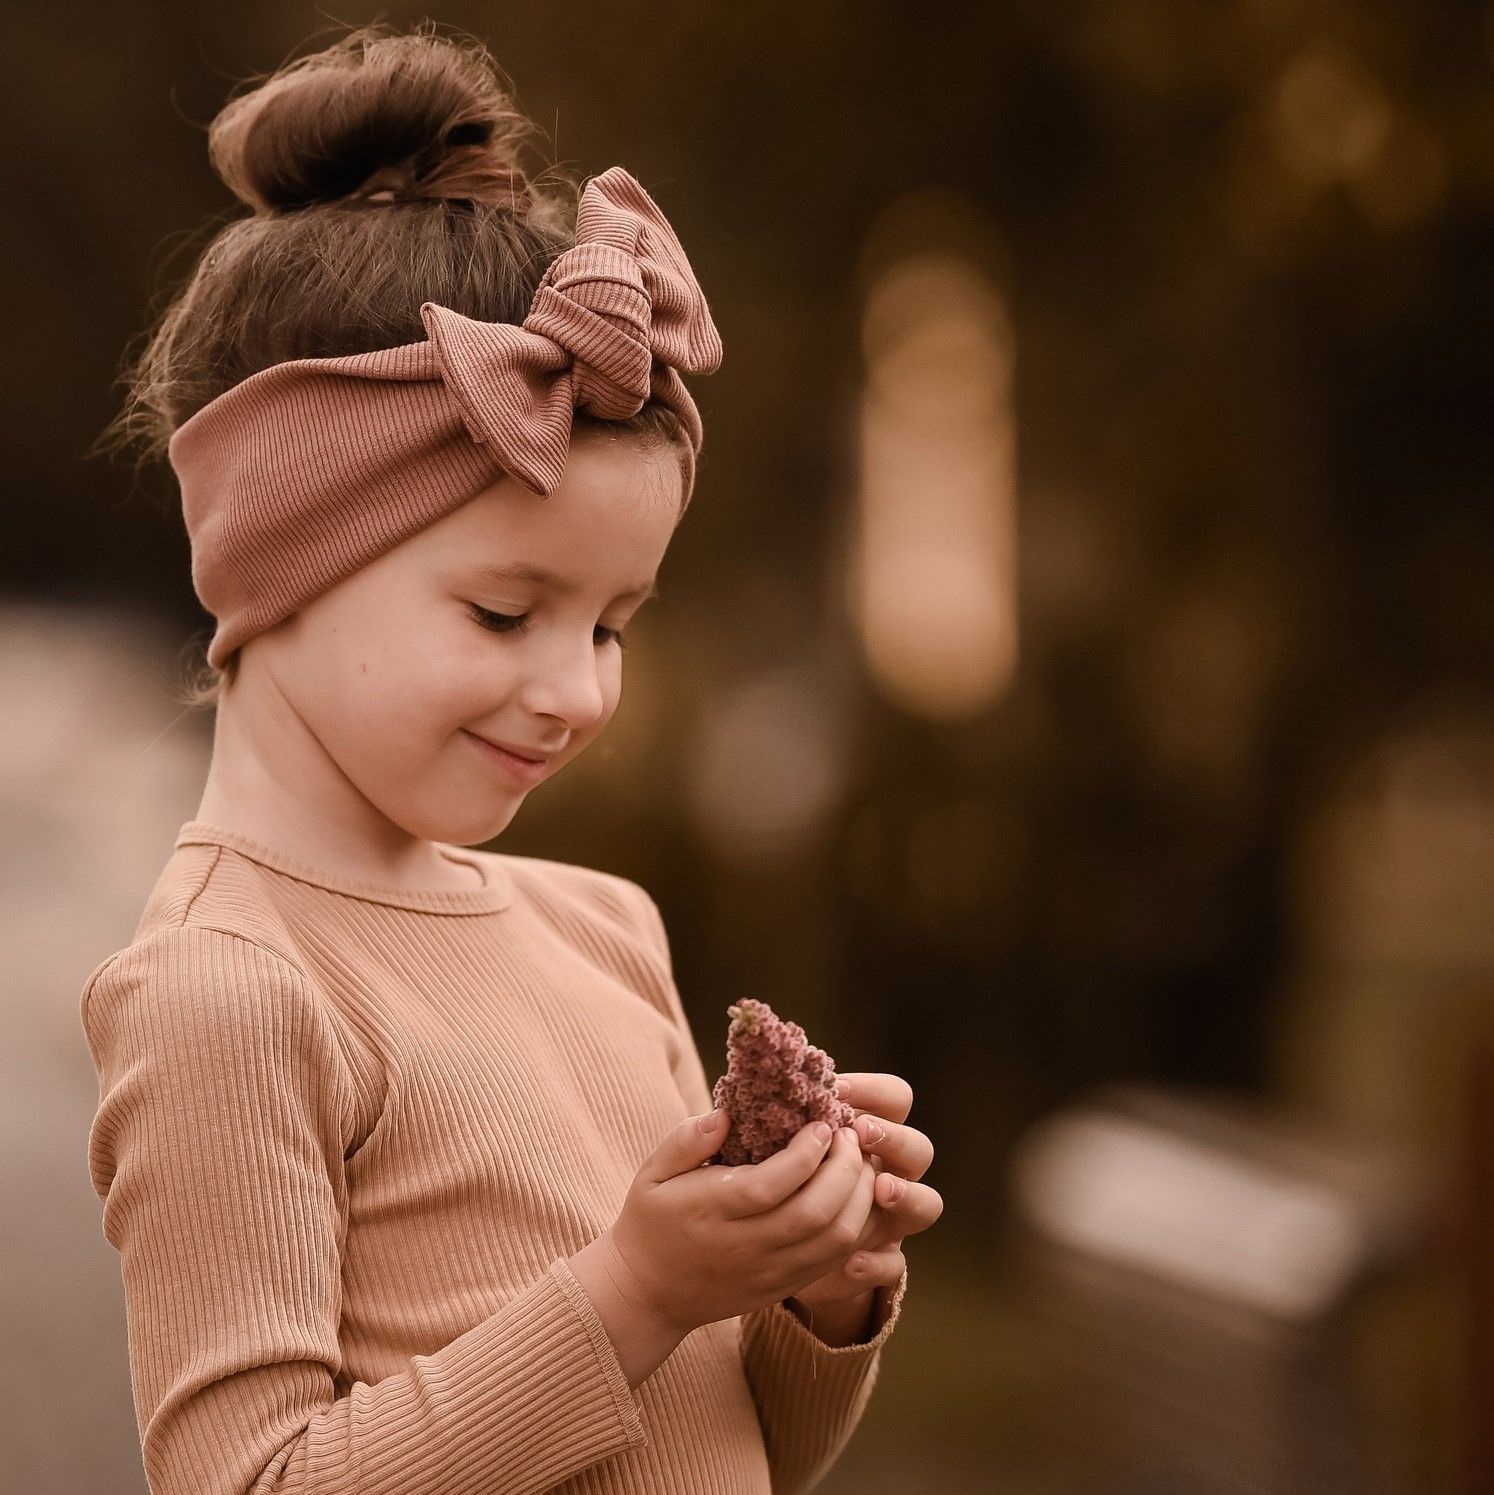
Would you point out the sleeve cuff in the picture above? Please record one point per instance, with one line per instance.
(630, 1423)
(886, 1308)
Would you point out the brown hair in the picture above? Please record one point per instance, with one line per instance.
(382, 171)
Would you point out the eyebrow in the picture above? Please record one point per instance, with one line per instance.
(543, 576)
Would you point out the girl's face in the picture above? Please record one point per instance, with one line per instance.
(398, 671)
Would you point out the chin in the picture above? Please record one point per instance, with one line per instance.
(501, 822)
(469, 819)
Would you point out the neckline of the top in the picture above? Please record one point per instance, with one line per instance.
(497, 891)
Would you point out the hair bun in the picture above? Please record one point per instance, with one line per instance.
(374, 117)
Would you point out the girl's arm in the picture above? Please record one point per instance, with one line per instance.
(226, 1110)
(810, 1395)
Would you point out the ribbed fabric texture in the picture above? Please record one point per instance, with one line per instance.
(304, 472)
(347, 1137)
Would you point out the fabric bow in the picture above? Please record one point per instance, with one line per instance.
(612, 320)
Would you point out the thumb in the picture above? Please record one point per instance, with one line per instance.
(688, 1144)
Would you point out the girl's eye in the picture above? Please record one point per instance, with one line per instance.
(518, 623)
(498, 622)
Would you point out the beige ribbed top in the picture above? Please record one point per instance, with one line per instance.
(346, 1138)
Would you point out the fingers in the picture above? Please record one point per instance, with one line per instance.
(756, 1188)
(876, 1268)
(835, 1201)
(829, 1217)
(904, 1150)
(891, 1219)
(915, 1209)
(889, 1096)
(851, 1219)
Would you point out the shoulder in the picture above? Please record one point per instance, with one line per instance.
(208, 976)
(210, 888)
(577, 891)
(208, 928)
(611, 919)
(608, 893)
(191, 999)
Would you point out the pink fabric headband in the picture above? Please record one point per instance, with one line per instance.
(307, 470)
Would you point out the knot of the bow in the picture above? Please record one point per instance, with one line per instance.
(612, 320)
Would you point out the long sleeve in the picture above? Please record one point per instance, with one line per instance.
(810, 1396)
(226, 1115)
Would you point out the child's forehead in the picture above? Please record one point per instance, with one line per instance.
(589, 534)
(609, 482)
(563, 581)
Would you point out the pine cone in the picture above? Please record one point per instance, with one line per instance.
(776, 1083)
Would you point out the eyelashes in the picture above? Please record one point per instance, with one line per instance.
(519, 623)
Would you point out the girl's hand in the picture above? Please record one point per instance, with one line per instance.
(842, 1298)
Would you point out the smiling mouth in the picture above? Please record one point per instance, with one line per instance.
(528, 769)
(517, 753)
(527, 754)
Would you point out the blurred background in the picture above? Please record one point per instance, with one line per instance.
(1069, 690)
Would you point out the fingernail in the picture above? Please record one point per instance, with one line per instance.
(822, 1131)
(896, 1189)
(707, 1122)
(871, 1129)
(842, 1088)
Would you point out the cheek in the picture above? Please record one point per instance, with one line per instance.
(442, 660)
(403, 688)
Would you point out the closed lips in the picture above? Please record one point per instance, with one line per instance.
(517, 752)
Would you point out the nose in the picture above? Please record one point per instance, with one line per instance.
(566, 681)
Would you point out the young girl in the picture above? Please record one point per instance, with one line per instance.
(400, 1142)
